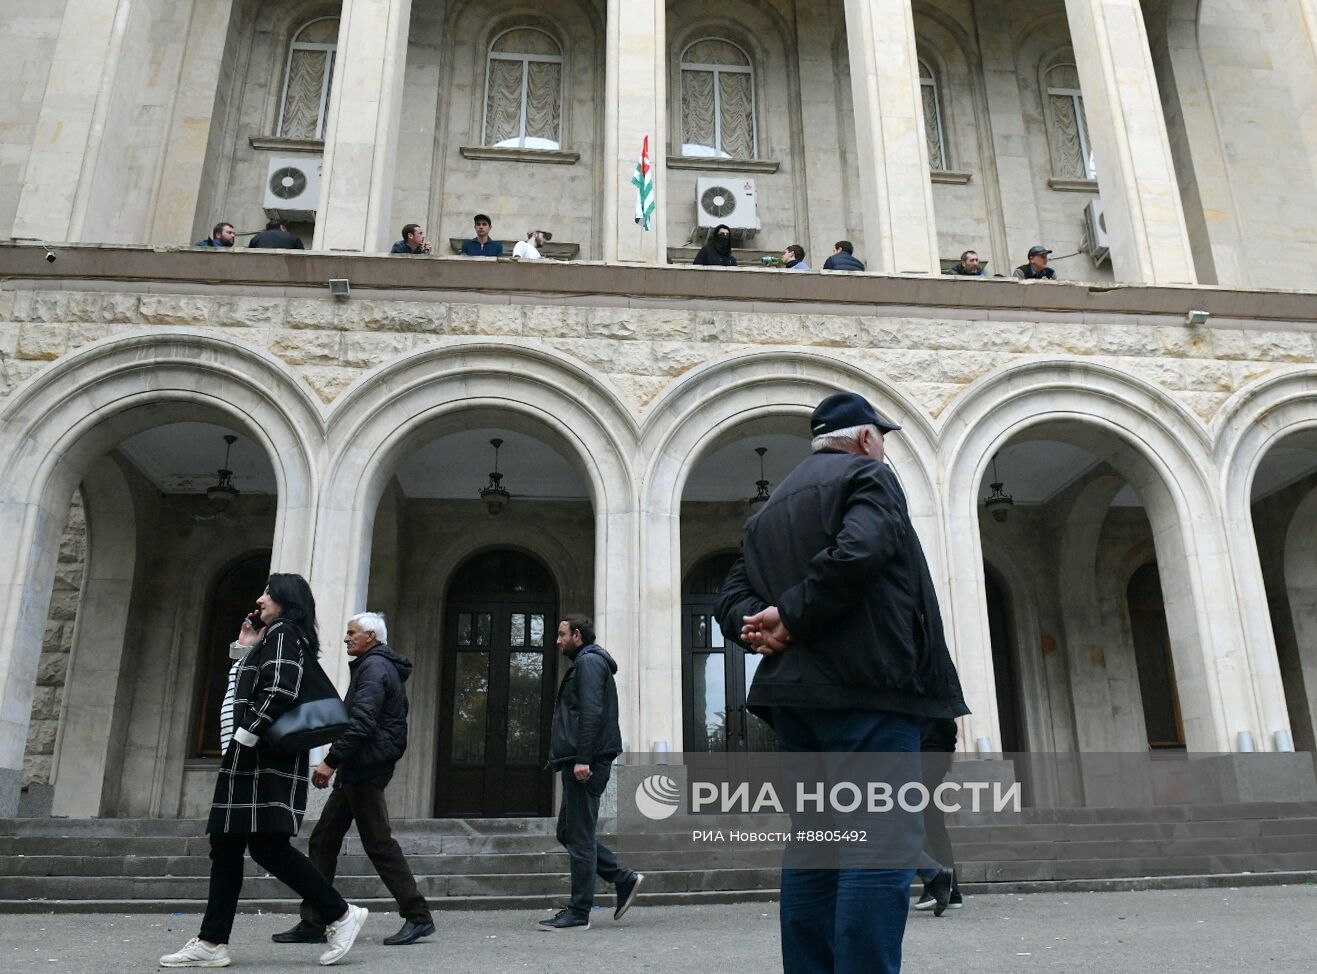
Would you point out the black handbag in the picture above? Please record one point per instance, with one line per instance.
(318, 717)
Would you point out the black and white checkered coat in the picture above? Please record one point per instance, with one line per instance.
(259, 790)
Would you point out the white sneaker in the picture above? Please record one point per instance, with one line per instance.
(343, 935)
(197, 954)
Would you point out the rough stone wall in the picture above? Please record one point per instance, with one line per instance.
(53, 669)
(641, 351)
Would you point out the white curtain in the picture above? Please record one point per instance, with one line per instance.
(306, 80)
(697, 129)
(737, 118)
(543, 104)
(937, 158)
(503, 103)
(1069, 150)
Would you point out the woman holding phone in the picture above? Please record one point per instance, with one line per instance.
(260, 795)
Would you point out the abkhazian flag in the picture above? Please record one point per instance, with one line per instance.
(643, 180)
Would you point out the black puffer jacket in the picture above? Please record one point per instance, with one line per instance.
(835, 551)
(585, 724)
(377, 717)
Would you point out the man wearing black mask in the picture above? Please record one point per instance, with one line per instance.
(718, 251)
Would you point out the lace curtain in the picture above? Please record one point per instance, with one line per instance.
(306, 83)
(1069, 126)
(697, 129)
(736, 104)
(526, 74)
(937, 155)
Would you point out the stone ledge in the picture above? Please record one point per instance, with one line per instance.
(240, 270)
(1072, 185)
(953, 176)
(491, 153)
(712, 164)
(286, 145)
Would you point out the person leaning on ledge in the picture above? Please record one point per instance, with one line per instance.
(843, 258)
(481, 245)
(1036, 269)
(413, 241)
(969, 266)
(221, 235)
(275, 236)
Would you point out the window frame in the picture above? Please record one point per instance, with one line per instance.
(748, 68)
(294, 46)
(525, 59)
(1076, 96)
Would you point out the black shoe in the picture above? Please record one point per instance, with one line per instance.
(410, 933)
(956, 901)
(940, 889)
(565, 920)
(925, 902)
(303, 933)
(626, 895)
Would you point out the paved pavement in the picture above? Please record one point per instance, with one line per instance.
(1171, 931)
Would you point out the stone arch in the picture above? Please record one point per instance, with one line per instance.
(691, 417)
(393, 408)
(1252, 421)
(62, 419)
(1162, 450)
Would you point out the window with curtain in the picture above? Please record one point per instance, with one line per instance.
(307, 80)
(717, 101)
(933, 132)
(1074, 153)
(523, 91)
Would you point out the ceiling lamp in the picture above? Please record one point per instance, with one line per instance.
(998, 503)
(221, 494)
(494, 494)
(761, 494)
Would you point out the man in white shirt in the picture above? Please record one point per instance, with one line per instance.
(529, 249)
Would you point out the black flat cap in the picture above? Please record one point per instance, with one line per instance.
(842, 410)
(1038, 250)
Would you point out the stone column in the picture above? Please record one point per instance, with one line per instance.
(1140, 195)
(361, 127)
(635, 106)
(899, 227)
(71, 126)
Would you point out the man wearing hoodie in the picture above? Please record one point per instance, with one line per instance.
(585, 739)
(363, 759)
(718, 251)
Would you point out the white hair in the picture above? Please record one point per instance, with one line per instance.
(841, 439)
(372, 622)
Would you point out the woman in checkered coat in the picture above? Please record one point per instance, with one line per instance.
(260, 795)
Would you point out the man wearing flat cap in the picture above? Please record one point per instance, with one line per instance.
(1036, 269)
(833, 590)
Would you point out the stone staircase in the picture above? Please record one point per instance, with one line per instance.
(151, 865)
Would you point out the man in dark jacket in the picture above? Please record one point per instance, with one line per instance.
(1036, 269)
(833, 589)
(221, 235)
(364, 758)
(843, 258)
(275, 236)
(585, 739)
(969, 266)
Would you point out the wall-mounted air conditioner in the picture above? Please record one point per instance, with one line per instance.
(1095, 224)
(292, 188)
(729, 201)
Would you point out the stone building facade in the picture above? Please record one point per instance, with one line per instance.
(1152, 585)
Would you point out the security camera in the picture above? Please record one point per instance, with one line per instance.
(50, 257)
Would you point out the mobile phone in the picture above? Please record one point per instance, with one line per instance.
(254, 620)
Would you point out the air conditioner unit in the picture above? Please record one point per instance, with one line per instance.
(1095, 223)
(292, 188)
(729, 201)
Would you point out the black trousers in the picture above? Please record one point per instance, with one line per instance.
(578, 818)
(937, 842)
(363, 802)
(270, 850)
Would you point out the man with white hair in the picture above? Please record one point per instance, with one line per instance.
(833, 590)
(363, 760)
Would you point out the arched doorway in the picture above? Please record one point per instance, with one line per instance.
(716, 673)
(1152, 655)
(498, 680)
(232, 596)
